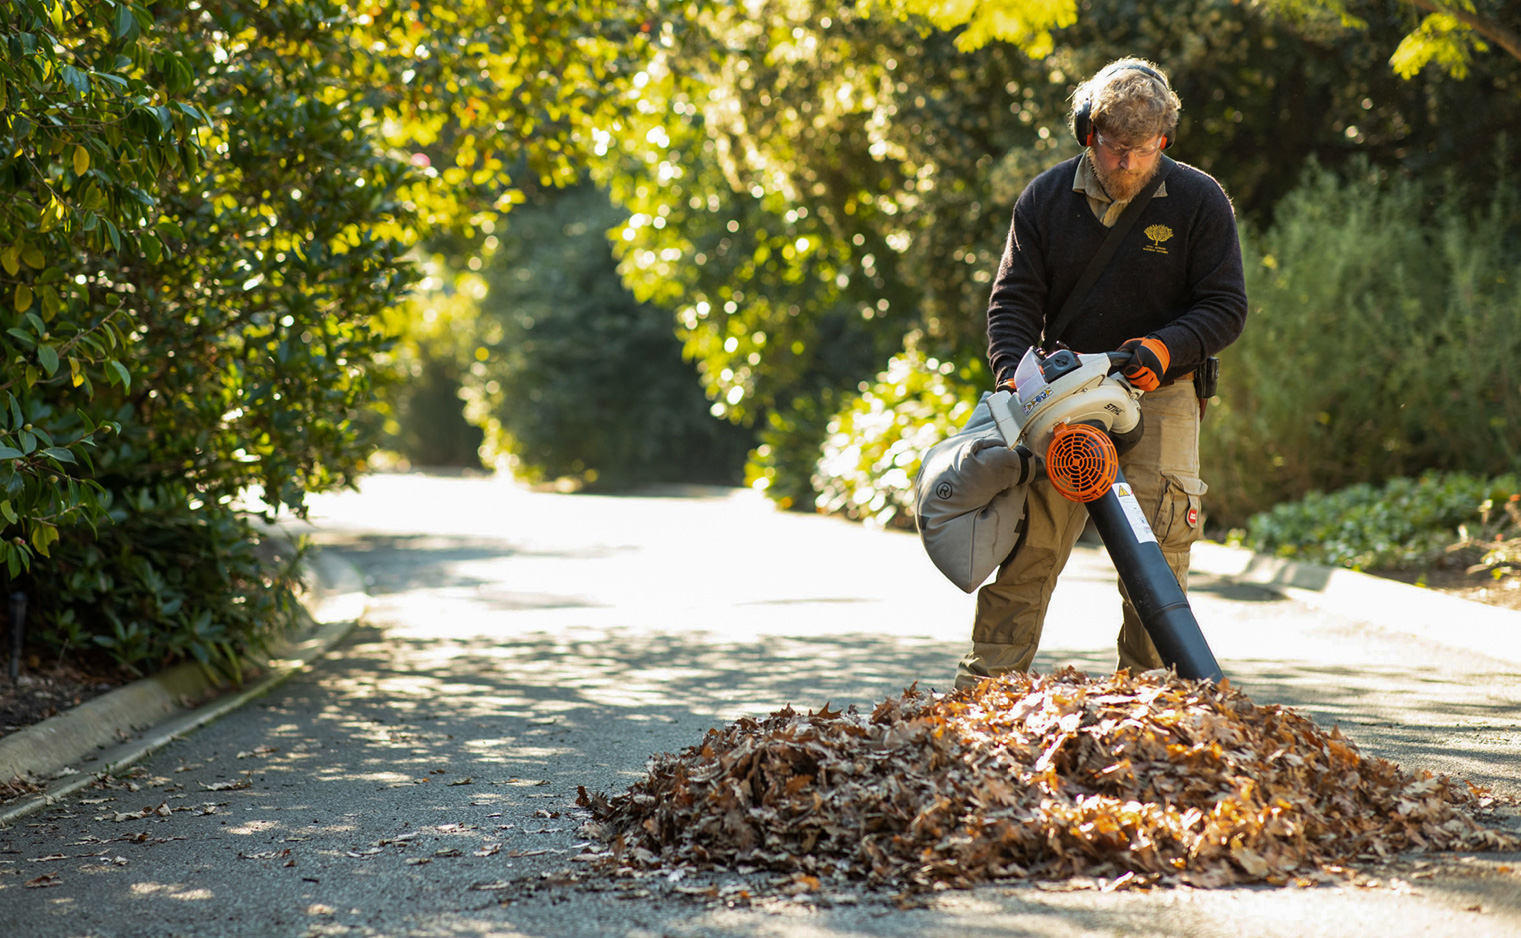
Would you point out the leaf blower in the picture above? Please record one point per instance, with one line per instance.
(1075, 414)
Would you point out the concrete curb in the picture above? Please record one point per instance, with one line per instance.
(1492, 631)
(125, 725)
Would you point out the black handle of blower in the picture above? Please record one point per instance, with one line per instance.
(1153, 590)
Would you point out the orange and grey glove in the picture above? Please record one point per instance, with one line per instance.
(1148, 363)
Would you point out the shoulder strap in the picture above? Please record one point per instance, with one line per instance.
(1122, 226)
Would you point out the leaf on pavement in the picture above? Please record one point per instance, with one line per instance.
(237, 784)
(1118, 782)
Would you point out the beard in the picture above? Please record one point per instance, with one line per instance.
(1123, 185)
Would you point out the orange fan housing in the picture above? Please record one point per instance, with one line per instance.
(1081, 462)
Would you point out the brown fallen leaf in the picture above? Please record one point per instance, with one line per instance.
(237, 784)
(1107, 783)
(44, 881)
(161, 810)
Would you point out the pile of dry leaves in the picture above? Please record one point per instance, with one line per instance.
(1149, 779)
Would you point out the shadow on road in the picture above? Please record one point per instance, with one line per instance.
(442, 745)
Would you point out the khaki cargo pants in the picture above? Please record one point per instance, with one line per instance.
(1163, 470)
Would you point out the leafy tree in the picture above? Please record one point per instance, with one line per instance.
(815, 191)
(576, 378)
(93, 114)
(1448, 35)
(807, 188)
(206, 208)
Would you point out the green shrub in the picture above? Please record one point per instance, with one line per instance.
(575, 377)
(133, 598)
(1383, 341)
(1405, 522)
(782, 464)
(205, 210)
(877, 440)
(205, 289)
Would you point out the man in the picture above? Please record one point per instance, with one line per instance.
(1172, 295)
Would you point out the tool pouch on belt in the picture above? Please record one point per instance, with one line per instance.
(1206, 380)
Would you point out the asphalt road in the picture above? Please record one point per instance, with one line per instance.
(419, 781)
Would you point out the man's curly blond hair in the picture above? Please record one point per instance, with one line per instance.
(1128, 103)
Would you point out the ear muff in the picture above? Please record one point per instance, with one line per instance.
(1082, 115)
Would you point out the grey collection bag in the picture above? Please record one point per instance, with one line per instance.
(969, 500)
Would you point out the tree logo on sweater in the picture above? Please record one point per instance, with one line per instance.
(1157, 234)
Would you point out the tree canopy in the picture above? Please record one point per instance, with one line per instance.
(205, 207)
(212, 212)
(1447, 36)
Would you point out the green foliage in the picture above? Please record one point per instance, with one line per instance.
(188, 236)
(1405, 522)
(92, 112)
(485, 96)
(205, 210)
(783, 465)
(1026, 23)
(878, 439)
(1448, 35)
(807, 185)
(1382, 341)
(1440, 40)
(573, 376)
(130, 596)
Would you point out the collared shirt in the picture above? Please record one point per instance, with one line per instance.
(1178, 277)
(1085, 180)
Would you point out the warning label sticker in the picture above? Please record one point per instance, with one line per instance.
(1133, 513)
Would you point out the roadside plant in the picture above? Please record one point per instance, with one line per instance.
(877, 440)
(573, 379)
(190, 314)
(1404, 523)
(206, 206)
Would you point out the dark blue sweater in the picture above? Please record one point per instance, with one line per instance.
(1177, 275)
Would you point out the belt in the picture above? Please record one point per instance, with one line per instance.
(1183, 377)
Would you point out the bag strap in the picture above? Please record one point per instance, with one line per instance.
(1122, 227)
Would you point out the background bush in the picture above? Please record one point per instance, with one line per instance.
(1383, 341)
(877, 441)
(575, 378)
(216, 277)
(207, 209)
(1405, 522)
